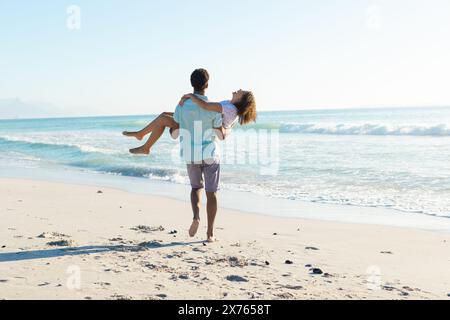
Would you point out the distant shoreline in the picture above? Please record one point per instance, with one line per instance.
(261, 112)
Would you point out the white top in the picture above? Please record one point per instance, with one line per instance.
(229, 114)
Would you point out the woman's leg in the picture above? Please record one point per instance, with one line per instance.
(163, 122)
(142, 133)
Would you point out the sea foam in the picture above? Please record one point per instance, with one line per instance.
(367, 129)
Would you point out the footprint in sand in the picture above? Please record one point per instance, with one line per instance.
(47, 235)
(237, 262)
(151, 244)
(198, 250)
(103, 284)
(174, 255)
(191, 261)
(290, 287)
(234, 278)
(147, 229)
(285, 296)
(44, 284)
(121, 297)
(61, 243)
(254, 295)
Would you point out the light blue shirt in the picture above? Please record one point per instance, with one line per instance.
(197, 137)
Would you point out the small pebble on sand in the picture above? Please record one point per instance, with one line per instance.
(316, 271)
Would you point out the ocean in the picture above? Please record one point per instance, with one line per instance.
(395, 159)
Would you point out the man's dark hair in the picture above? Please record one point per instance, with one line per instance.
(199, 79)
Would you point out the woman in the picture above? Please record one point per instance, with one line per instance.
(241, 108)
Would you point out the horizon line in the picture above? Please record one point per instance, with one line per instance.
(264, 111)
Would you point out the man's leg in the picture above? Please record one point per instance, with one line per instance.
(196, 195)
(196, 179)
(211, 208)
(211, 169)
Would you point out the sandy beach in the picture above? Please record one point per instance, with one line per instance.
(61, 241)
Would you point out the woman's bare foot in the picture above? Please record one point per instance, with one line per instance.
(194, 228)
(140, 150)
(136, 135)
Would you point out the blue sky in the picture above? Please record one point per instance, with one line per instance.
(135, 57)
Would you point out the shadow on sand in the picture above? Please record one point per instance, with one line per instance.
(87, 250)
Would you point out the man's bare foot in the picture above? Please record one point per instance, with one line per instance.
(194, 228)
(211, 239)
(140, 150)
(136, 135)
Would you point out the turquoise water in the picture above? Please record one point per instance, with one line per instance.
(390, 158)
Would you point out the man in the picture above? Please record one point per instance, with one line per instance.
(200, 151)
